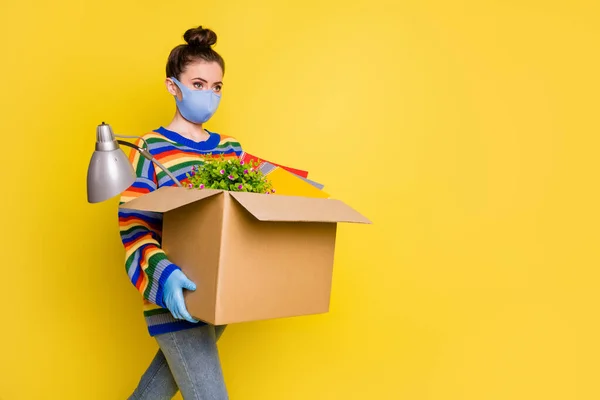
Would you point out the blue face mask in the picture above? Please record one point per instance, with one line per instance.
(196, 106)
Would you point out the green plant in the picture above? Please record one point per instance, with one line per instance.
(228, 174)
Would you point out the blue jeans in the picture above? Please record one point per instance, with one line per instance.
(188, 361)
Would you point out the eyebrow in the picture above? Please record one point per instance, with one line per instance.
(205, 81)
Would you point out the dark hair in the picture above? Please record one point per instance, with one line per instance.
(198, 47)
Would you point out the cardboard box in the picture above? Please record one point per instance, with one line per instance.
(252, 256)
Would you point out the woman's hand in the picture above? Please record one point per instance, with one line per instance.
(173, 295)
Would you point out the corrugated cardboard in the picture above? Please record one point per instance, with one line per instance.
(252, 256)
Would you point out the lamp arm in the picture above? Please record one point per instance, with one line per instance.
(144, 151)
(133, 137)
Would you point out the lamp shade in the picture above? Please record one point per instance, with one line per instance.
(110, 172)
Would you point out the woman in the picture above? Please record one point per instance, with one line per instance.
(187, 359)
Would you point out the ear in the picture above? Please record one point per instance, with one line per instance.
(172, 88)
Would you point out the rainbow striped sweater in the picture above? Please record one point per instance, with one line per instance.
(146, 263)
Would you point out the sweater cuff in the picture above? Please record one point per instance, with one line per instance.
(163, 271)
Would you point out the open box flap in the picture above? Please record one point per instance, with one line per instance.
(297, 209)
(168, 198)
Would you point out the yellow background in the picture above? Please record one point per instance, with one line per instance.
(467, 131)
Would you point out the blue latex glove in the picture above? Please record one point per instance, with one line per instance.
(173, 295)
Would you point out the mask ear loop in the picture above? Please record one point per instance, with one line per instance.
(179, 85)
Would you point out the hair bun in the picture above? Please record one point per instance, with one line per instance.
(200, 37)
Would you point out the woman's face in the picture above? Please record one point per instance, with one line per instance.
(199, 75)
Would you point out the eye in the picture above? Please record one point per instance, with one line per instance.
(217, 88)
(197, 85)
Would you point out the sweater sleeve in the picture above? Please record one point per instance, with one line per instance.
(141, 232)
